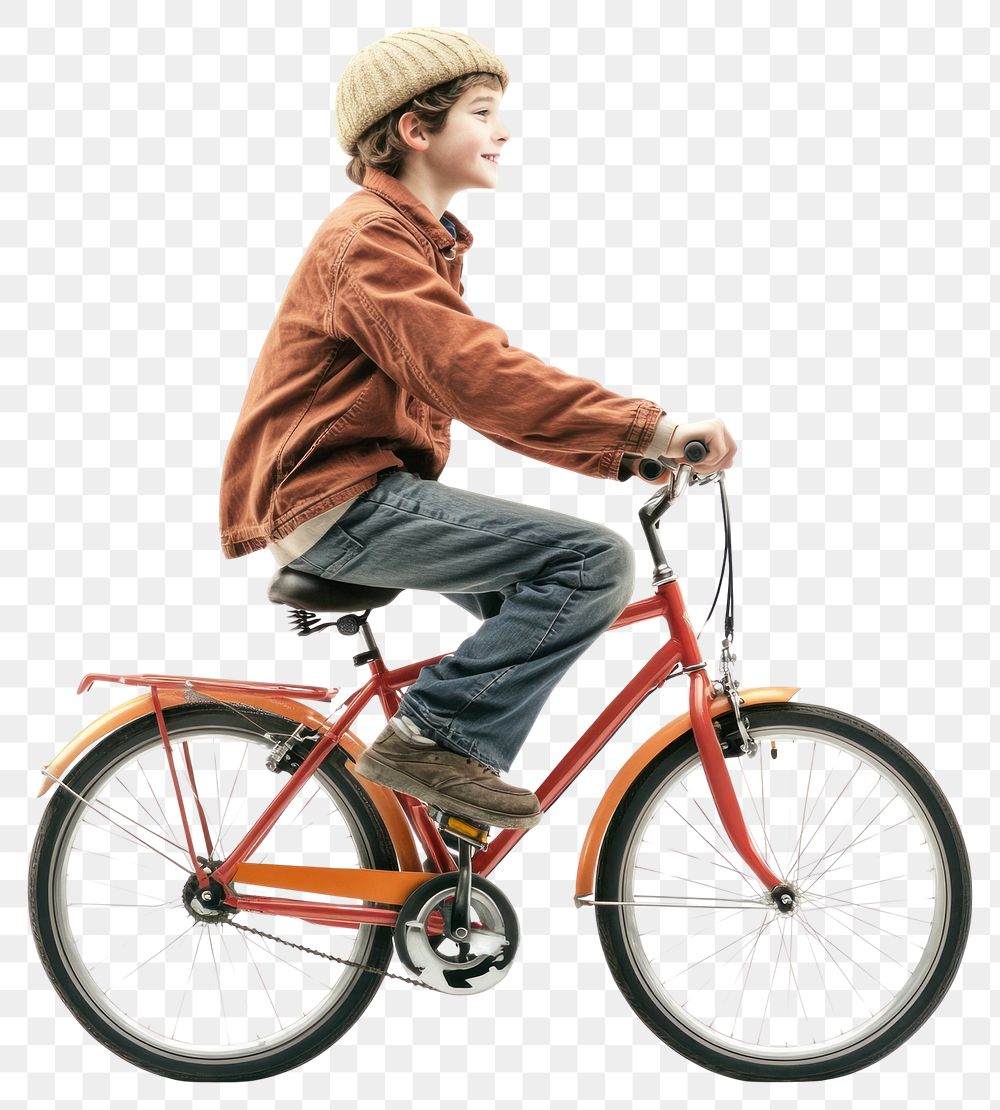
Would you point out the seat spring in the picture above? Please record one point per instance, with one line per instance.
(305, 623)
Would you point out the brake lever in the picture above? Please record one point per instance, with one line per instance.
(683, 475)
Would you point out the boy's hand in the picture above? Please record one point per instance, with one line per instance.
(713, 433)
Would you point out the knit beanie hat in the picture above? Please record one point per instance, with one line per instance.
(388, 73)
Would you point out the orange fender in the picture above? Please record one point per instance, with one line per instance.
(719, 706)
(383, 799)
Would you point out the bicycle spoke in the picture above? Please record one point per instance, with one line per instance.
(275, 954)
(236, 814)
(154, 795)
(718, 951)
(864, 939)
(127, 832)
(802, 823)
(710, 886)
(822, 823)
(684, 939)
(699, 860)
(169, 944)
(872, 836)
(712, 846)
(761, 818)
(807, 814)
(143, 808)
(748, 963)
(93, 853)
(828, 945)
(812, 873)
(770, 990)
(876, 908)
(218, 979)
(187, 993)
(125, 816)
(859, 886)
(222, 819)
(305, 805)
(218, 845)
(727, 895)
(859, 932)
(792, 977)
(802, 880)
(260, 979)
(117, 902)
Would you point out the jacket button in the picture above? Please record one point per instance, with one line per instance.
(447, 255)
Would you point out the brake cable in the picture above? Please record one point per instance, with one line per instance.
(727, 562)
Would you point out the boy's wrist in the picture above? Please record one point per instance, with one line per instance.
(659, 444)
(655, 449)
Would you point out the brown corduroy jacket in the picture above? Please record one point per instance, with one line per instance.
(373, 353)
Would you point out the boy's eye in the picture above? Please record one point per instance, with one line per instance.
(483, 112)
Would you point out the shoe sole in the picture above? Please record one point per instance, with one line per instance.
(372, 768)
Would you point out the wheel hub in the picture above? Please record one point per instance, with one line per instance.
(786, 898)
(206, 904)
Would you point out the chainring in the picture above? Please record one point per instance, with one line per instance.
(458, 967)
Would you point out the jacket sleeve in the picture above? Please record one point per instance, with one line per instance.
(656, 449)
(408, 319)
(657, 446)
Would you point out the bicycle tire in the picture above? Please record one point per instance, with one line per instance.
(620, 947)
(369, 834)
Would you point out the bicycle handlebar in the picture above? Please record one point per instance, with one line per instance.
(682, 474)
(694, 451)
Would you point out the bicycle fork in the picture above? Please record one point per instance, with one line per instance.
(721, 784)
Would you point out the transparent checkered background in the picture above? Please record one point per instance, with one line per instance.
(777, 214)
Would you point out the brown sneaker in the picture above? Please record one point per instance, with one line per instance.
(454, 782)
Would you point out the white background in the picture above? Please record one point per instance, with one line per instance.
(774, 214)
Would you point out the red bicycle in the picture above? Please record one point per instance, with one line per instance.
(782, 891)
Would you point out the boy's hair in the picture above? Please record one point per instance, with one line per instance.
(382, 146)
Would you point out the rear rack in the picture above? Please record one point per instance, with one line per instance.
(192, 682)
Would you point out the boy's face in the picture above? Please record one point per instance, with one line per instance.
(454, 156)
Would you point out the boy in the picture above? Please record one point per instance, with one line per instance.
(344, 430)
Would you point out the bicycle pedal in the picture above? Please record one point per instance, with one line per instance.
(460, 827)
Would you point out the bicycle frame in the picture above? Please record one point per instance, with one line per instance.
(393, 887)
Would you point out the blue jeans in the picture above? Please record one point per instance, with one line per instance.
(545, 585)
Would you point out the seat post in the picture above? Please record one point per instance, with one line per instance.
(366, 632)
(350, 625)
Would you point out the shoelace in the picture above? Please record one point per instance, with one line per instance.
(469, 759)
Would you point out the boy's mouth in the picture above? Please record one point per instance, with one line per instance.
(494, 158)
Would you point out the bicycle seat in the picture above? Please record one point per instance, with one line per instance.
(301, 590)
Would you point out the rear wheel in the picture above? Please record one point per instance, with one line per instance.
(864, 837)
(182, 997)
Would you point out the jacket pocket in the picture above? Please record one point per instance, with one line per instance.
(330, 430)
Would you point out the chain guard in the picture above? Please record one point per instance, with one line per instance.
(480, 962)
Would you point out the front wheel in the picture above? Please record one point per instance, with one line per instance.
(110, 885)
(862, 834)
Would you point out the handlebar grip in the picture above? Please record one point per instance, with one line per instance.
(694, 451)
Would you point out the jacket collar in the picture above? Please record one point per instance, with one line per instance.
(397, 194)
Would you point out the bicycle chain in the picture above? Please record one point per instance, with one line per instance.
(381, 972)
(326, 955)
